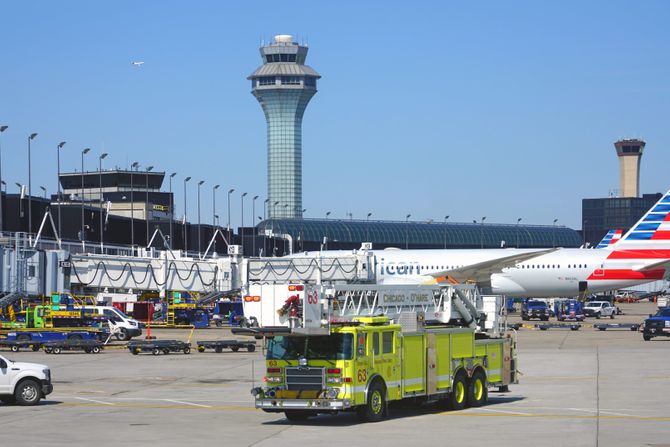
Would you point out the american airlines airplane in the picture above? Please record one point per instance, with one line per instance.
(640, 256)
(611, 238)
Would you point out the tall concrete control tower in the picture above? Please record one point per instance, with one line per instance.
(629, 152)
(283, 86)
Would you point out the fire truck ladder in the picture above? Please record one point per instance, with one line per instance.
(442, 303)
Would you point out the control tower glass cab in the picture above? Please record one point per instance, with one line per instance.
(629, 152)
(283, 86)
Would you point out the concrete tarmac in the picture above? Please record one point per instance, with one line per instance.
(578, 388)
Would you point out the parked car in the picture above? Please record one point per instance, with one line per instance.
(599, 309)
(535, 309)
(657, 325)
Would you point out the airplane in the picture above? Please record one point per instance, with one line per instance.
(137, 63)
(611, 238)
(642, 255)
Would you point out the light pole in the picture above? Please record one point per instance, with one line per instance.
(214, 188)
(445, 231)
(82, 236)
(171, 209)
(30, 188)
(230, 191)
(2, 129)
(553, 235)
(517, 231)
(58, 149)
(184, 223)
(102, 157)
(367, 227)
(253, 222)
(200, 183)
(146, 205)
(242, 222)
(265, 205)
(21, 194)
(481, 233)
(584, 232)
(407, 230)
(326, 244)
(132, 205)
(44, 190)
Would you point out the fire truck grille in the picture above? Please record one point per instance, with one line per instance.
(304, 379)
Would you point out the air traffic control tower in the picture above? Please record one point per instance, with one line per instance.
(629, 152)
(283, 86)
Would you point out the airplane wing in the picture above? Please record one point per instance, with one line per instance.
(482, 271)
(664, 264)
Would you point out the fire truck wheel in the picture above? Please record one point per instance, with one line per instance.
(477, 390)
(35, 348)
(459, 391)
(296, 415)
(374, 409)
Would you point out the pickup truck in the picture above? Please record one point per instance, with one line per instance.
(535, 309)
(599, 309)
(23, 383)
(657, 325)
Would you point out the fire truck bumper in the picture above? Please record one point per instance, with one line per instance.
(303, 404)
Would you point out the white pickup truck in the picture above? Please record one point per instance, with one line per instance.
(23, 383)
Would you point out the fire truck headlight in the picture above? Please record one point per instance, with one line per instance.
(332, 393)
(256, 391)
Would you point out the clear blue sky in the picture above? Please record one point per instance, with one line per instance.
(498, 109)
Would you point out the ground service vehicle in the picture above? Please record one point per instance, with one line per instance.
(657, 325)
(361, 363)
(121, 325)
(535, 309)
(599, 309)
(23, 383)
(570, 310)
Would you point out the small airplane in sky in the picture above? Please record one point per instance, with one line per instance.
(137, 63)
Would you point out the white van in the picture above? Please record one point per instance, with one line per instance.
(122, 326)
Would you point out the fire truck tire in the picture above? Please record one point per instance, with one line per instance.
(35, 348)
(477, 389)
(459, 391)
(374, 409)
(296, 415)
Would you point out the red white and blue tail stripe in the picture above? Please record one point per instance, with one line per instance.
(611, 238)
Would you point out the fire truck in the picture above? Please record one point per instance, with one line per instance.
(360, 347)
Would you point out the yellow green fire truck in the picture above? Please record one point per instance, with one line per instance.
(361, 347)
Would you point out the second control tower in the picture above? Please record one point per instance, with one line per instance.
(629, 152)
(283, 86)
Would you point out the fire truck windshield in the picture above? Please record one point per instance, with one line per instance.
(321, 347)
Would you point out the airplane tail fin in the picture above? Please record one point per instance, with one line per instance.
(652, 231)
(611, 238)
